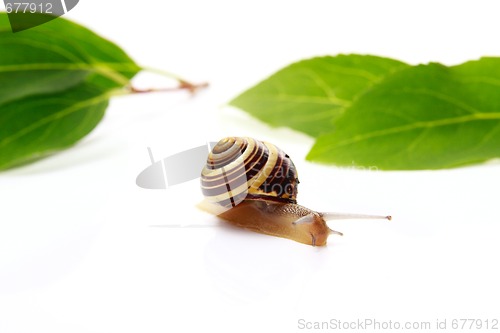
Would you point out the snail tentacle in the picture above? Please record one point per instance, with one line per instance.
(346, 216)
(304, 219)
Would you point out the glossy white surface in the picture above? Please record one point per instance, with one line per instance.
(83, 249)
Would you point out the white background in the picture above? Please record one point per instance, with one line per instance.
(80, 245)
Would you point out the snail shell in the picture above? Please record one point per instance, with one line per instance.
(254, 184)
(240, 169)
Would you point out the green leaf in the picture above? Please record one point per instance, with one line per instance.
(37, 126)
(423, 117)
(55, 83)
(308, 94)
(56, 56)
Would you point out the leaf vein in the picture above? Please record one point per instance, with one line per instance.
(60, 114)
(305, 99)
(443, 97)
(421, 124)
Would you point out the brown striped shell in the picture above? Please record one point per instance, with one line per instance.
(240, 168)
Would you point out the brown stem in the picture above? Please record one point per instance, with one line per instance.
(183, 85)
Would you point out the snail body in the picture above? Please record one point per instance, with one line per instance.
(254, 185)
(280, 220)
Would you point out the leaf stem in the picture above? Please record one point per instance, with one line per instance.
(112, 75)
(183, 85)
(111, 71)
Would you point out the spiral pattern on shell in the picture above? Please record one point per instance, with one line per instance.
(240, 169)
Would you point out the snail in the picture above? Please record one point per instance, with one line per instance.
(254, 185)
